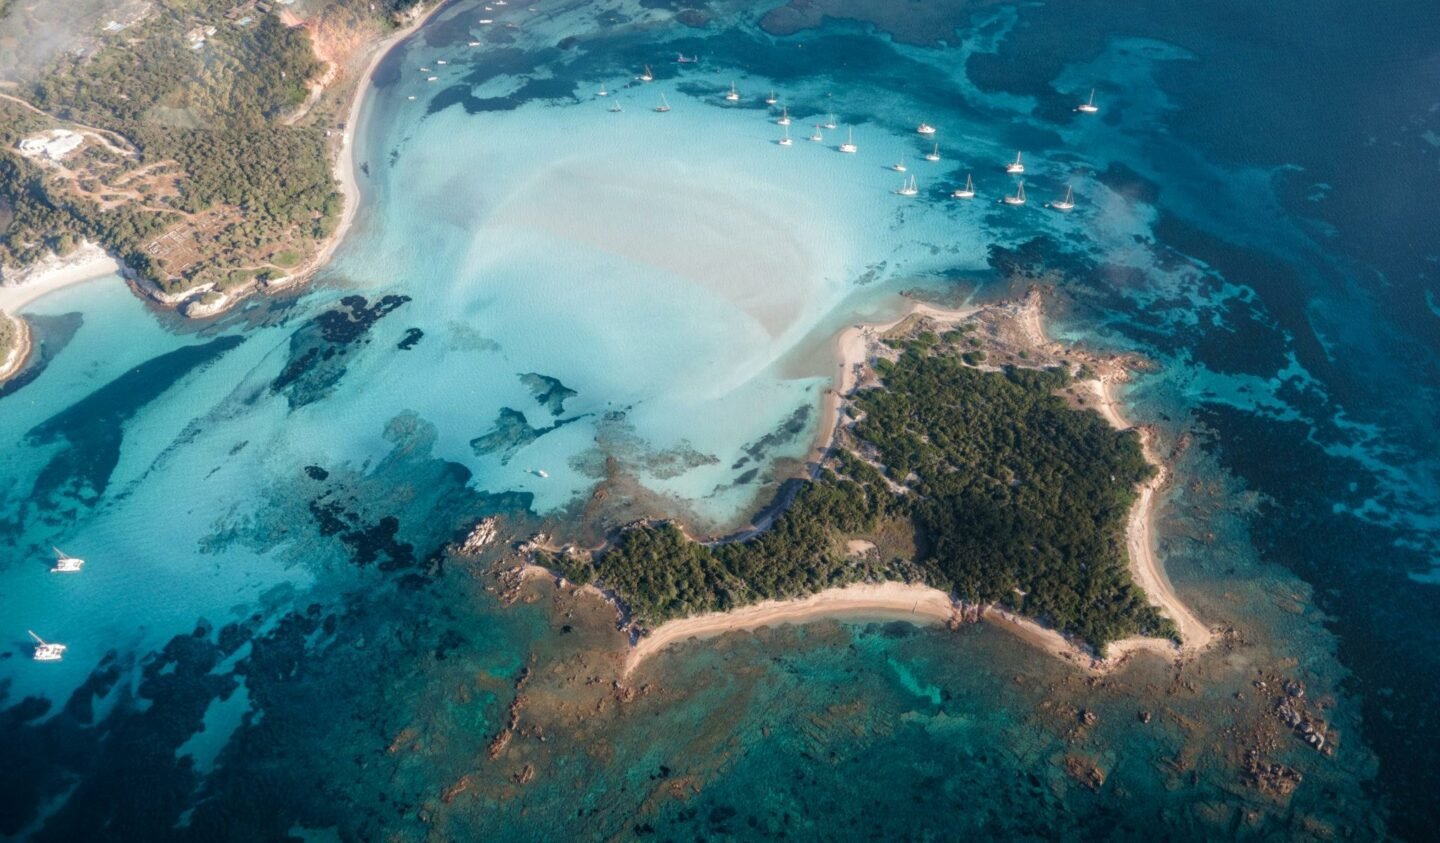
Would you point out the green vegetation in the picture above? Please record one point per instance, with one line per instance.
(221, 170)
(9, 335)
(1012, 496)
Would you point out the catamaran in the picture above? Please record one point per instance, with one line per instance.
(784, 116)
(1015, 167)
(1089, 106)
(734, 95)
(65, 563)
(785, 141)
(925, 129)
(830, 122)
(46, 652)
(849, 144)
(1018, 198)
(966, 192)
(934, 154)
(1068, 203)
(647, 76)
(772, 99)
(817, 137)
(899, 166)
(663, 106)
(908, 188)
(681, 58)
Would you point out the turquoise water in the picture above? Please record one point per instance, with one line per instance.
(269, 634)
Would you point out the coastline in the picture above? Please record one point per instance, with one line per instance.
(923, 604)
(87, 263)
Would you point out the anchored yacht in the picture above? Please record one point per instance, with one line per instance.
(615, 107)
(925, 129)
(934, 154)
(1015, 167)
(829, 122)
(772, 99)
(908, 188)
(733, 95)
(1066, 204)
(1018, 198)
(663, 106)
(65, 563)
(1089, 106)
(899, 166)
(966, 192)
(849, 144)
(647, 76)
(602, 92)
(46, 652)
(784, 116)
(786, 141)
(817, 137)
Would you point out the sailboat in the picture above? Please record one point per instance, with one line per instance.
(664, 106)
(1018, 198)
(1089, 106)
(785, 141)
(602, 92)
(908, 188)
(925, 129)
(830, 122)
(1068, 203)
(733, 95)
(849, 144)
(966, 192)
(817, 137)
(934, 154)
(1015, 167)
(615, 107)
(647, 76)
(784, 116)
(46, 652)
(772, 99)
(899, 166)
(65, 563)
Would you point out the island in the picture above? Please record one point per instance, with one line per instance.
(975, 470)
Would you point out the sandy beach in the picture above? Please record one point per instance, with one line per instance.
(884, 601)
(922, 604)
(86, 263)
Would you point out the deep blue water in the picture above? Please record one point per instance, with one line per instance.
(270, 639)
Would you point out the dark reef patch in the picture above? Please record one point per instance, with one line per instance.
(411, 339)
(549, 392)
(512, 432)
(320, 349)
(93, 427)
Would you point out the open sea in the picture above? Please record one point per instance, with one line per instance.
(572, 316)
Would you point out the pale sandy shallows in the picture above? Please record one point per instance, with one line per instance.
(922, 604)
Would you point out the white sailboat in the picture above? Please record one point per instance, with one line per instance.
(966, 192)
(1068, 203)
(817, 137)
(733, 95)
(615, 107)
(1015, 167)
(65, 563)
(1089, 106)
(785, 141)
(772, 99)
(46, 652)
(647, 76)
(1018, 198)
(664, 106)
(899, 166)
(934, 154)
(602, 92)
(925, 129)
(829, 122)
(784, 116)
(849, 144)
(908, 188)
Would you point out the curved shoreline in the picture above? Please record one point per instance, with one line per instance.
(923, 604)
